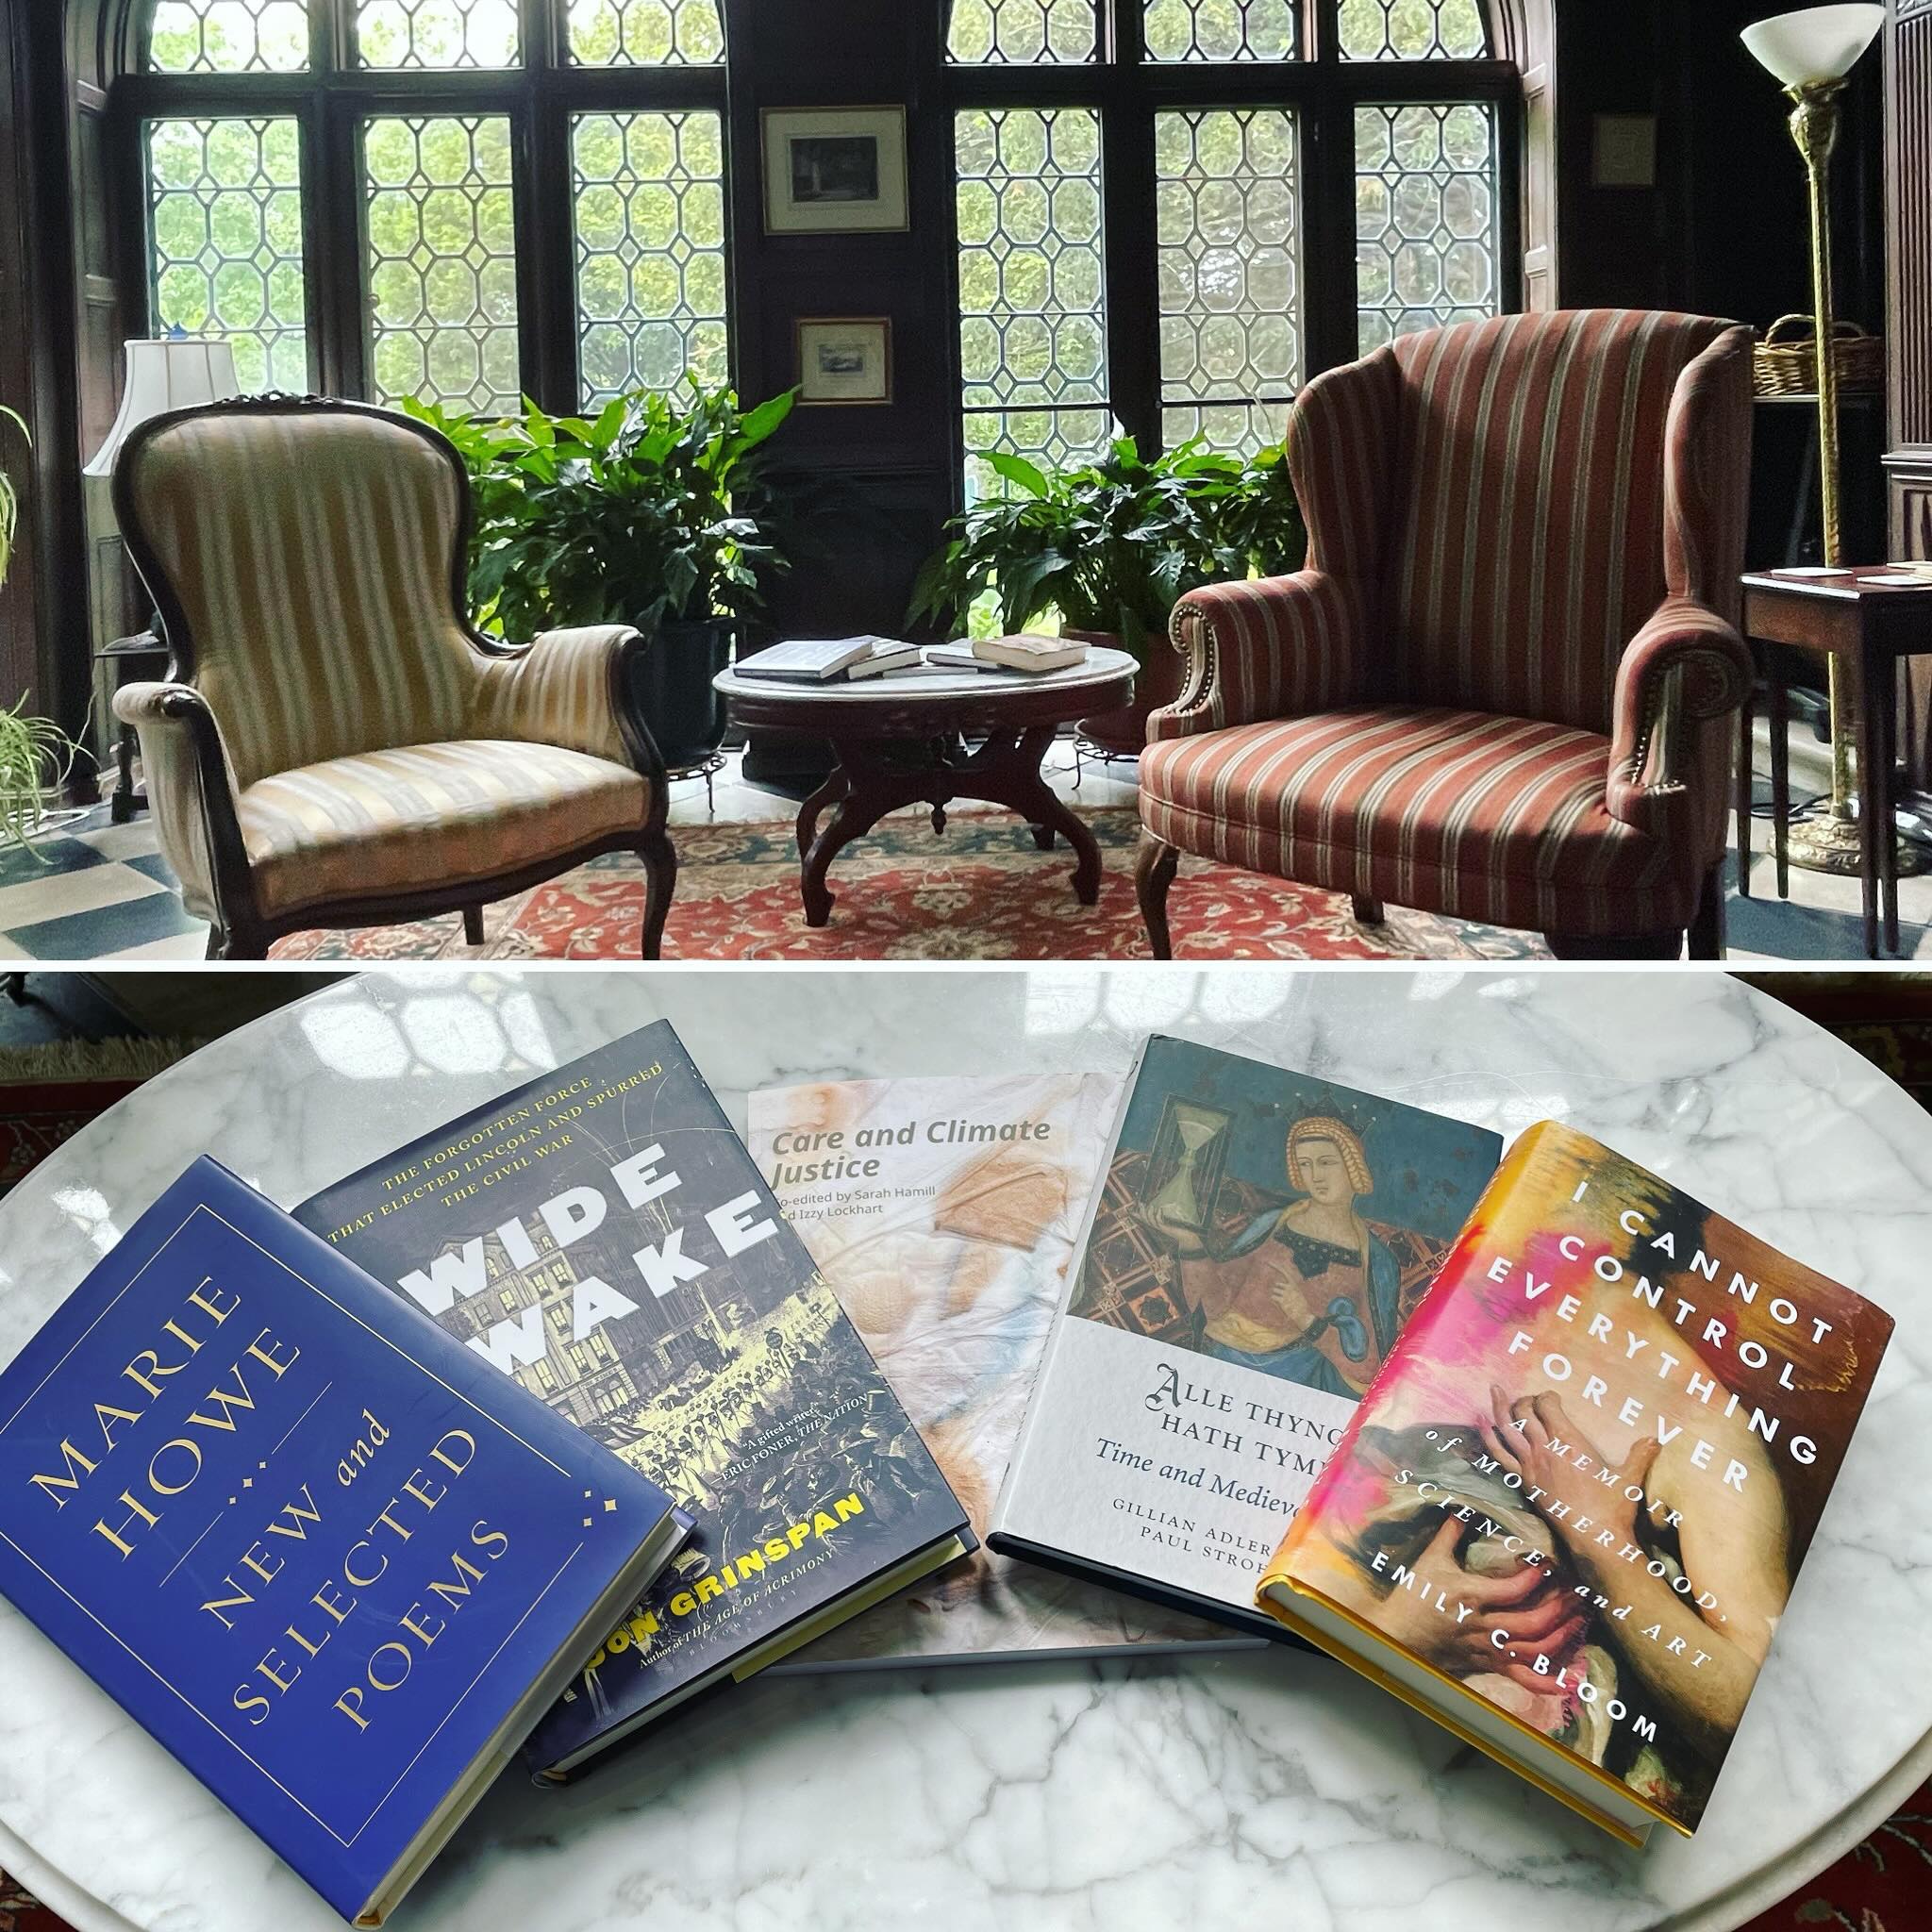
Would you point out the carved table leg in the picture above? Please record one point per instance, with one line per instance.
(868, 791)
(1005, 772)
(830, 793)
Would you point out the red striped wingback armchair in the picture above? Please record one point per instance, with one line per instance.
(1504, 687)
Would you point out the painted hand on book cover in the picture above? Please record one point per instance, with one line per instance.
(1536, 1438)
(1500, 1623)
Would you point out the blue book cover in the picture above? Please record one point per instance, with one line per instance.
(602, 1236)
(327, 1557)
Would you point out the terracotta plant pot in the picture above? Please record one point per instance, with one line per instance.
(1125, 731)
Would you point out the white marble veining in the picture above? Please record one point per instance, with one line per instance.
(1272, 1790)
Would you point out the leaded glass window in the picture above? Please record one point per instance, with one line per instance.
(460, 116)
(646, 33)
(1228, 207)
(437, 33)
(1427, 250)
(442, 246)
(224, 218)
(1220, 29)
(1022, 32)
(650, 236)
(228, 36)
(1412, 30)
(1204, 206)
(1032, 284)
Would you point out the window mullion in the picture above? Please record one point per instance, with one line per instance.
(1133, 297)
(1325, 140)
(546, 298)
(335, 243)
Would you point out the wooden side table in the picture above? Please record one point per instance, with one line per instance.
(142, 654)
(1868, 619)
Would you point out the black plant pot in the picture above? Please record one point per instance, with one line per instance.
(673, 688)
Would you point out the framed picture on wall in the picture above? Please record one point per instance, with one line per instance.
(845, 359)
(835, 170)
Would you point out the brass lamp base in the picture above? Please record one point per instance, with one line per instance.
(1832, 844)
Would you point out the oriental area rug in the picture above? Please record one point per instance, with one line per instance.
(980, 890)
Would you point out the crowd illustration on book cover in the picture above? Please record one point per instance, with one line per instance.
(921, 1372)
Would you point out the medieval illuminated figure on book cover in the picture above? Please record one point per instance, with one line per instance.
(1286, 1229)
(1584, 1487)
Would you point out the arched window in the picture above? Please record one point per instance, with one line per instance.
(1276, 185)
(386, 197)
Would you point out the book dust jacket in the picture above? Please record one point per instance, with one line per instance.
(325, 1556)
(1582, 1489)
(602, 1236)
(945, 1212)
(1257, 1241)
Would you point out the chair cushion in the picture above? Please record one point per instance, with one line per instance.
(1467, 813)
(383, 823)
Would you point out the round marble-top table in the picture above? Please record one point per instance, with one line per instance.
(1266, 1789)
(931, 740)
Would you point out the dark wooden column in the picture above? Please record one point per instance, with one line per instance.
(44, 644)
(1908, 322)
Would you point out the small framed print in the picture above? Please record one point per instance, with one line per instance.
(1623, 151)
(835, 170)
(845, 360)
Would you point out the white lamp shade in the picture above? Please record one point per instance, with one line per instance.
(1821, 43)
(171, 373)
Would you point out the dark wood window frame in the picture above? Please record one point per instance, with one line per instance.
(1129, 90)
(332, 99)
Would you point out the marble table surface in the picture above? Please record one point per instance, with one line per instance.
(1263, 1788)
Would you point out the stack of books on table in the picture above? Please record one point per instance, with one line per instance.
(827, 660)
(576, 1410)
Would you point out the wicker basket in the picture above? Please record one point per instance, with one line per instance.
(1788, 367)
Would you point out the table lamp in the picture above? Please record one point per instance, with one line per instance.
(1810, 53)
(177, 372)
(168, 372)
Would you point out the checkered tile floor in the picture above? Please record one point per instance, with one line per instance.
(97, 891)
(94, 890)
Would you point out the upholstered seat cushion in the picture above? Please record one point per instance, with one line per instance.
(389, 823)
(1477, 815)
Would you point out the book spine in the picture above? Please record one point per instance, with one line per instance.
(1042, 1375)
(1413, 1340)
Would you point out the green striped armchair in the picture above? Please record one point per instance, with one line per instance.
(336, 745)
(1505, 685)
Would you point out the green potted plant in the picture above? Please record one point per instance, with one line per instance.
(1110, 546)
(646, 514)
(36, 756)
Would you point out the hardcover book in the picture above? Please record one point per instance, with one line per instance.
(1567, 1519)
(1244, 1267)
(602, 1236)
(944, 1213)
(324, 1554)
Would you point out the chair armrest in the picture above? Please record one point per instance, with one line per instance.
(572, 688)
(1682, 677)
(1271, 648)
(190, 790)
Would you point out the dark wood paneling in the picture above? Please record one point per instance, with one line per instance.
(1908, 324)
(1908, 220)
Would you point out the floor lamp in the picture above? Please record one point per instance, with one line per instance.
(1810, 53)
